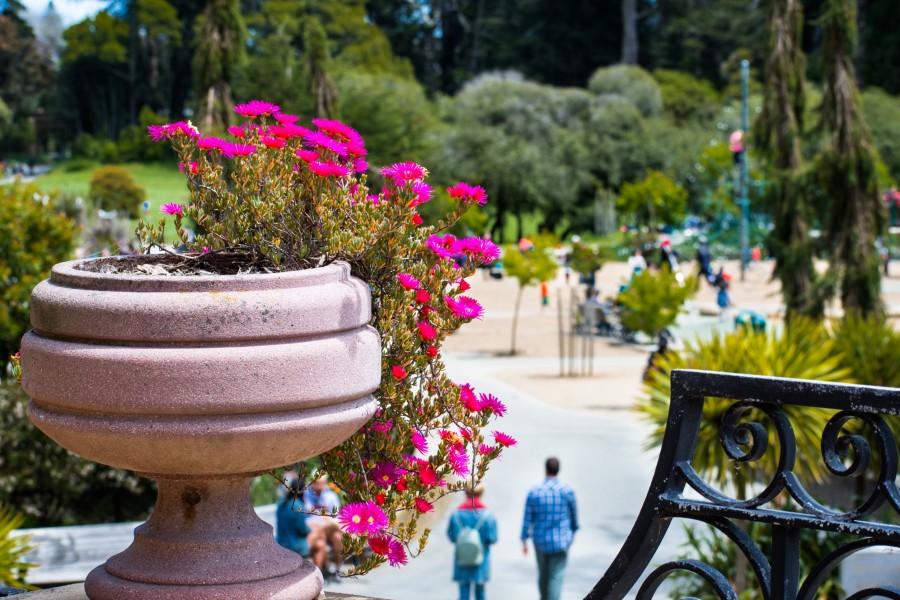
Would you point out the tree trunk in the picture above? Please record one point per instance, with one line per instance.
(629, 32)
(512, 347)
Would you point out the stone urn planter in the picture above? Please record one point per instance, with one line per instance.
(201, 383)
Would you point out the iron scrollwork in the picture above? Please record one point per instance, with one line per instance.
(745, 439)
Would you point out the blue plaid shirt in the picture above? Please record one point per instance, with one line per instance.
(551, 517)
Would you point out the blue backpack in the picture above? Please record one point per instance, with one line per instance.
(469, 549)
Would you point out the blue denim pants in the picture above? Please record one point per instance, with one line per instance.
(465, 588)
(550, 573)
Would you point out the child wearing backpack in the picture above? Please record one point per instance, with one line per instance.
(473, 529)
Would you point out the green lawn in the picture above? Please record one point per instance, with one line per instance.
(162, 182)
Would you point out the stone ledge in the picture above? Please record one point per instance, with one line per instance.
(76, 592)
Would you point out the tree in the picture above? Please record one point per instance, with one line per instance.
(780, 129)
(25, 74)
(113, 188)
(219, 51)
(846, 168)
(529, 268)
(655, 200)
(654, 299)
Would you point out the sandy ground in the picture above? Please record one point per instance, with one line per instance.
(617, 367)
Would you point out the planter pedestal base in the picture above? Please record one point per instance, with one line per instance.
(204, 542)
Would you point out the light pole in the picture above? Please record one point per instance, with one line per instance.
(745, 202)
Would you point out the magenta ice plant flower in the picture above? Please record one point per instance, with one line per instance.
(403, 173)
(362, 518)
(419, 442)
(468, 193)
(408, 281)
(257, 108)
(464, 307)
(172, 208)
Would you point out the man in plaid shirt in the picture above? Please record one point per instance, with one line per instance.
(551, 520)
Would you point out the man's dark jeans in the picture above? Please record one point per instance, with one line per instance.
(550, 573)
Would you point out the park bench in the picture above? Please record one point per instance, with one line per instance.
(677, 491)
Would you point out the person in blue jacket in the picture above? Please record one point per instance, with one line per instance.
(471, 514)
(291, 528)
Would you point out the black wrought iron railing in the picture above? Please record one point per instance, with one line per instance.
(857, 441)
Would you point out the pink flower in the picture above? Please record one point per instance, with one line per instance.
(398, 372)
(396, 553)
(307, 155)
(427, 474)
(192, 167)
(423, 506)
(257, 108)
(287, 131)
(442, 245)
(482, 250)
(382, 426)
(417, 219)
(408, 281)
(328, 169)
(423, 193)
(360, 165)
(385, 474)
(338, 130)
(468, 398)
(427, 330)
(169, 130)
(492, 402)
(356, 149)
(320, 140)
(468, 193)
(464, 307)
(237, 131)
(418, 440)
(459, 460)
(379, 544)
(503, 439)
(486, 449)
(272, 142)
(463, 285)
(171, 208)
(362, 517)
(286, 119)
(232, 150)
(431, 351)
(422, 296)
(403, 173)
(210, 143)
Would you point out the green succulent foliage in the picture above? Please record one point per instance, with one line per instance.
(33, 237)
(803, 350)
(654, 299)
(13, 550)
(113, 188)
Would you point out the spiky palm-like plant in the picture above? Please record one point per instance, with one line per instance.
(13, 565)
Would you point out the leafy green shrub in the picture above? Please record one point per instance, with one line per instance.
(78, 164)
(654, 300)
(585, 258)
(13, 566)
(686, 98)
(632, 83)
(52, 486)
(654, 200)
(113, 188)
(33, 237)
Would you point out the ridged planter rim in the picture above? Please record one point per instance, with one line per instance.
(66, 273)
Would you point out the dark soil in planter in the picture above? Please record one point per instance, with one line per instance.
(211, 263)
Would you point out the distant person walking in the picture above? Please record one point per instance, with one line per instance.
(473, 529)
(551, 520)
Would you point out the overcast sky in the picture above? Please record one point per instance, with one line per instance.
(71, 11)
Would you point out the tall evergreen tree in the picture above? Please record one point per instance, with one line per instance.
(846, 167)
(218, 52)
(779, 129)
